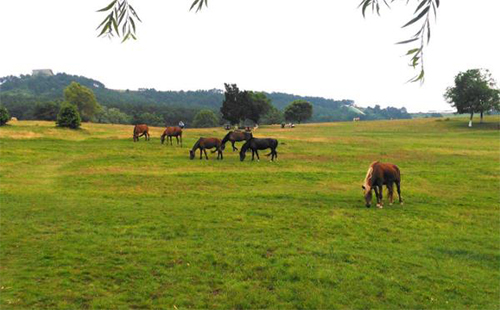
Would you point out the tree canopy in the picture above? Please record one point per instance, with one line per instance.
(205, 119)
(299, 111)
(239, 105)
(4, 116)
(474, 92)
(68, 116)
(83, 98)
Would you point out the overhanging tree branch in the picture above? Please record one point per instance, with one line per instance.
(423, 35)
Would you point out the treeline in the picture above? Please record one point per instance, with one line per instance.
(40, 97)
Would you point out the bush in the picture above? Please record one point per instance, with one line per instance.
(205, 119)
(68, 116)
(4, 116)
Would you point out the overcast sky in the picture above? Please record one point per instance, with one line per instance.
(305, 47)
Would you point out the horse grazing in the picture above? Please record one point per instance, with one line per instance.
(378, 175)
(256, 144)
(172, 132)
(141, 130)
(207, 143)
(236, 136)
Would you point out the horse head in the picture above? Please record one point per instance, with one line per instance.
(191, 154)
(368, 195)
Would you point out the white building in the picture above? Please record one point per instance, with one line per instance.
(42, 72)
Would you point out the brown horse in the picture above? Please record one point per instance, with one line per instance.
(235, 136)
(172, 132)
(207, 143)
(378, 175)
(141, 130)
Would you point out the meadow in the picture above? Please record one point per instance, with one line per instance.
(90, 219)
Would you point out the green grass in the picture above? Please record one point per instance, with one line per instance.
(90, 219)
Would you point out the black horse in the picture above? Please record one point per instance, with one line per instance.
(235, 136)
(256, 144)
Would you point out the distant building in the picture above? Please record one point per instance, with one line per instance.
(42, 72)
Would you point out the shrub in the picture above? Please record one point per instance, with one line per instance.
(68, 116)
(4, 116)
(205, 119)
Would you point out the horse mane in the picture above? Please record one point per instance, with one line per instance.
(196, 145)
(245, 146)
(226, 137)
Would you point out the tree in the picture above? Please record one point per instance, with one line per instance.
(474, 91)
(205, 119)
(121, 16)
(83, 98)
(4, 116)
(273, 116)
(46, 111)
(112, 116)
(258, 105)
(234, 104)
(298, 110)
(68, 116)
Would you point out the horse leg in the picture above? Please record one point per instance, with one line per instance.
(181, 139)
(253, 154)
(257, 153)
(206, 156)
(390, 189)
(398, 186)
(375, 188)
(234, 148)
(380, 202)
(201, 153)
(177, 138)
(221, 155)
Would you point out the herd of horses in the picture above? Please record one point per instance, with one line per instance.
(378, 174)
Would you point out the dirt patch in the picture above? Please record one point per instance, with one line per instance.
(20, 135)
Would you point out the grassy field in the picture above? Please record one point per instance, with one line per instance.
(90, 219)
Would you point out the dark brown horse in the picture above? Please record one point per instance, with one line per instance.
(207, 143)
(256, 144)
(141, 130)
(378, 175)
(172, 132)
(236, 136)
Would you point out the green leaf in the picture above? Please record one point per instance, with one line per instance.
(109, 6)
(132, 23)
(408, 41)
(424, 11)
(412, 51)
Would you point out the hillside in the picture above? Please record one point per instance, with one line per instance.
(20, 94)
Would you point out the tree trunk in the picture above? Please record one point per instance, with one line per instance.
(481, 117)
(470, 121)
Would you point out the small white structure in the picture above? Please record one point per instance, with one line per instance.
(42, 72)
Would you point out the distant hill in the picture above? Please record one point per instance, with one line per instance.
(20, 94)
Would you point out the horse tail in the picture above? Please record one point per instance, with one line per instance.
(398, 172)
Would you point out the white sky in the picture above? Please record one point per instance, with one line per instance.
(305, 47)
